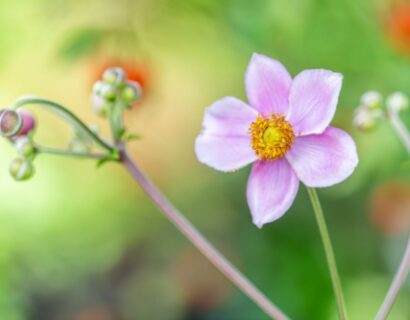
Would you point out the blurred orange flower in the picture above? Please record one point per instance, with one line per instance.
(390, 207)
(398, 26)
(136, 70)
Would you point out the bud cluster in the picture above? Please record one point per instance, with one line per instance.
(18, 126)
(370, 111)
(114, 90)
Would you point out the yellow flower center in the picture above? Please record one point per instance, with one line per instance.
(271, 137)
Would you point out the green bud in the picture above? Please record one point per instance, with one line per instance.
(371, 100)
(21, 169)
(108, 92)
(131, 92)
(366, 119)
(10, 123)
(25, 147)
(114, 76)
(97, 87)
(397, 102)
(100, 105)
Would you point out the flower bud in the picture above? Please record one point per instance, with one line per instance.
(131, 92)
(21, 169)
(108, 92)
(366, 119)
(10, 123)
(28, 120)
(97, 87)
(114, 76)
(371, 99)
(100, 105)
(397, 102)
(25, 147)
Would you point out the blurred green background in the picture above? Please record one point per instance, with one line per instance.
(86, 244)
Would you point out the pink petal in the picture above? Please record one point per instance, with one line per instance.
(313, 99)
(272, 187)
(325, 159)
(267, 85)
(225, 143)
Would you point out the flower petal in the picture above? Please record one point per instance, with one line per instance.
(325, 159)
(224, 143)
(267, 85)
(313, 100)
(272, 187)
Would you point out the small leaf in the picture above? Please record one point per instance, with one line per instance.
(132, 137)
(113, 156)
(102, 161)
(80, 43)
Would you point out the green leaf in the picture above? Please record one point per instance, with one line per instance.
(132, 137)
(80, 43)
(113, 156)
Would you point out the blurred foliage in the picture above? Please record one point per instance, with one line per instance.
(85, 244)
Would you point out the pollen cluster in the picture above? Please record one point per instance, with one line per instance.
(271, 137)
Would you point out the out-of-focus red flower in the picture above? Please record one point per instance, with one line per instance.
(398, 26)
(136, 70)
(390, 207)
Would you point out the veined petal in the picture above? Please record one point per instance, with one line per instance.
(325, 159)
(313, 99)
(225, 143)
(228, 116)
(267, 85)
(272, 187)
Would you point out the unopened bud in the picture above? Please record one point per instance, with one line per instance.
(100, 105)
(10, 123)
(25, 147)
(371, 99)
(97, 87)
(108, 92)
(131, 92)
(28, 120)
(366, 119)
(397, 102)
(114, 76)
(21, 169)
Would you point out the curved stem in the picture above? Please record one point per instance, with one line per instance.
(404, 267)
(397, 283)
(400, 129)
(330, 257)
(67, 114)
(199, 241)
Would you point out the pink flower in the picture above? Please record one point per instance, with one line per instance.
(284, 131)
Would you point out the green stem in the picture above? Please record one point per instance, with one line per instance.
(330, 257)
(69, 153)
(65, 113)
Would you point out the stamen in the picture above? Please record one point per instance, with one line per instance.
(271, 137)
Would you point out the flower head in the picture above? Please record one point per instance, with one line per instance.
(284, 130)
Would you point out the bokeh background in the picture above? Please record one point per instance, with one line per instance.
(82, 243)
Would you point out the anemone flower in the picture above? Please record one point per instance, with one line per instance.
(284, 131)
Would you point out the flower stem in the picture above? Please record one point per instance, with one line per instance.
(330, 257)
(69, 153)
(397, 283)
(404, 267)
(66, 114)
(199, 241)
(400, 129)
